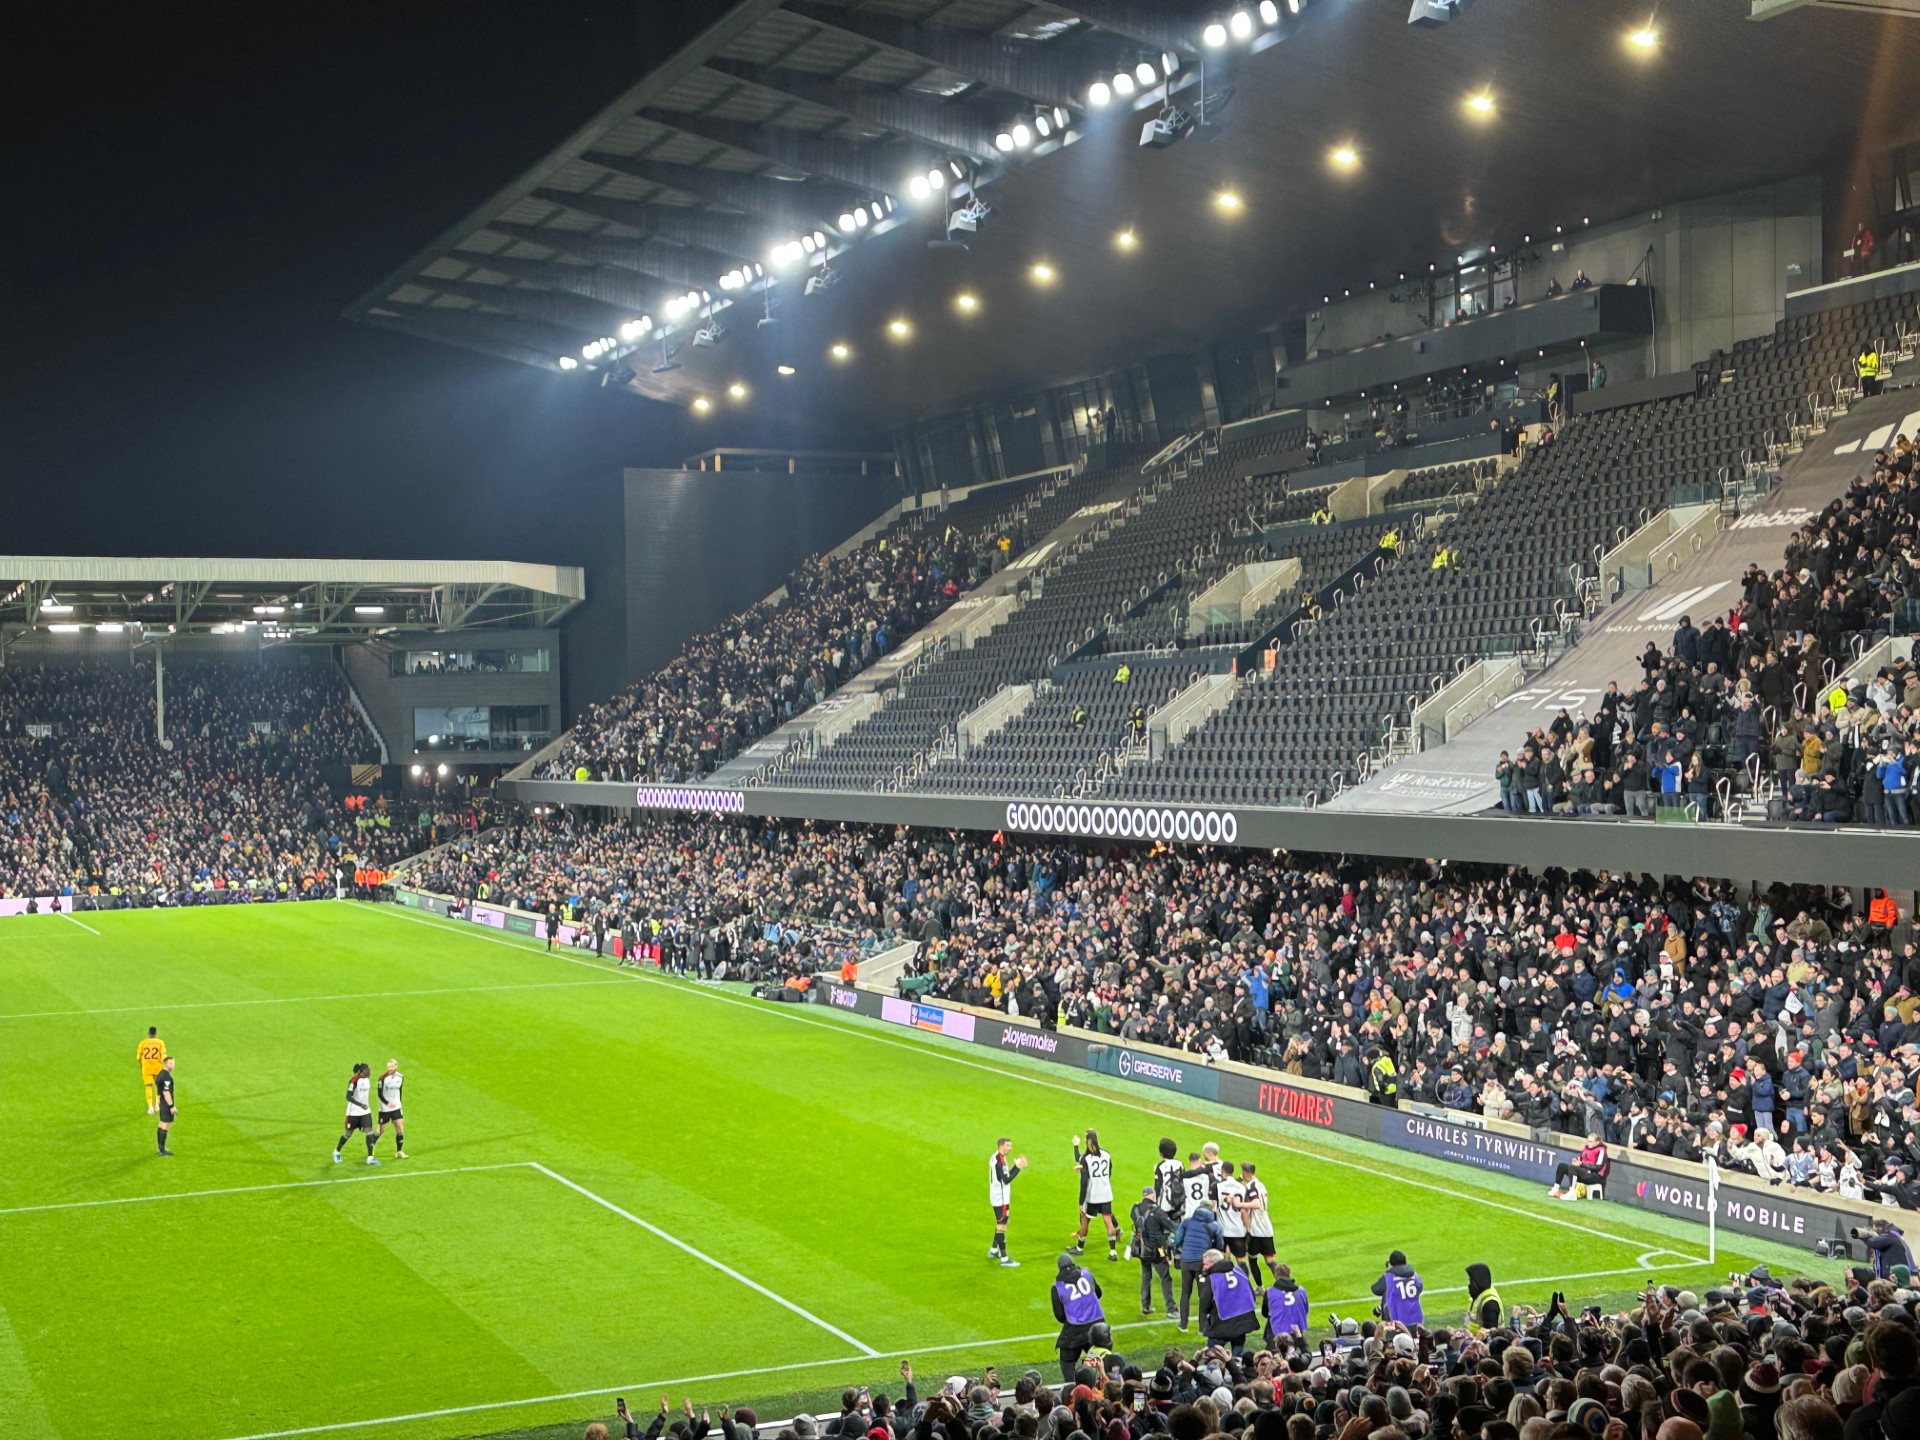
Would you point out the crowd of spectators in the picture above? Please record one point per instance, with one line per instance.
(1756, 1360)
(1776, 1030)
(93, 804)
(771, 662)
(1751, 698)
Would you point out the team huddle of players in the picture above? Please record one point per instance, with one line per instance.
(1206, 1217)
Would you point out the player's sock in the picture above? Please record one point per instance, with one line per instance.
(160, 1135)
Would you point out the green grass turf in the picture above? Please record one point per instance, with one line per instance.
(834, 1162)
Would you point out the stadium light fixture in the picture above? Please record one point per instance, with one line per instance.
(1228, 201)
(419, 770)
(1060, 117)
(1022, 136)
(1169, 62)
(937, 178)
(1214, 36)
(784, 371)
(1344, 157)
(967, 303)
(66, 629)
(369, 609)
(1003, 142)
(1645, 39)
(1042, 125)
(861, 219)
(847, 221)
(441, 770)
(1480, 104)
(52, 606)
(1042, 273)
(899, 328)
(1293, 6)
(918, 188)
(1099, 94)
(1125, 240)
(841, 351)
(1145, 73)
(1269, 12)
(1123, 83)
(110, 627)
(737, 390)
(1241, 24)
(701, 404)
(567, 362)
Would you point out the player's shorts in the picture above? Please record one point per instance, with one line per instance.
(391, 1117)
(166, 1111)
(1000, 1213)
(1237, 1246)
(1096, 1207)
(1260, 1245)
(359, 1122)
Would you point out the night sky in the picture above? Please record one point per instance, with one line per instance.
(198, 191)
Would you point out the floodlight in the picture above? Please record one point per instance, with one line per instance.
(1215, 35)
(1003, 141)
(567, 362)
(1241, 24)
(1122, 83)
(1145, 73)
(1269, 13)
(1022, 137)
(1098, 94)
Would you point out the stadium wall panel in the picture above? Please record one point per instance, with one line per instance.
(1850, 856)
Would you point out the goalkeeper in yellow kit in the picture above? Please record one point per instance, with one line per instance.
(152, 1054)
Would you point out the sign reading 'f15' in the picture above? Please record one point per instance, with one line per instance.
(1129, 822)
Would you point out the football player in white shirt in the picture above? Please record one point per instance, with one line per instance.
(1166, 1180)
(1231, 1197)
(1259, 1221)
(1003, 1168)
(359, 1111)
(1197, 1186)
(390, 1112)
(1096, 1193)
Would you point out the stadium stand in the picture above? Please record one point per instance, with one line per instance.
(1313, 722)
(836, 616)
(1759, 1356)
(1774, 1029)
(1744, 706)
(234, 805)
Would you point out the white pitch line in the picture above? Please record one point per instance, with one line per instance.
(706, 1259)
(304, 999)
(685, 1380)
(81, 923)
(256, 1189)
(786, 1012)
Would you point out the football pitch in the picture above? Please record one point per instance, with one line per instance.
(615, 1184)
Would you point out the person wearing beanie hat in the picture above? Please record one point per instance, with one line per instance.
(1400, 1289)
(1588, 1416)
(1723, 1416)
(1076, 1305)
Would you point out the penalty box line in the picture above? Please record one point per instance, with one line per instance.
(534, 1165)
(678, 1381)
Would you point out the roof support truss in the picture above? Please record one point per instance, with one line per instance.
(944, 125)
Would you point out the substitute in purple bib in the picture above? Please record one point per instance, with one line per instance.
(1286, 1303)
(1076, 1305)
(1228, 1313)
(1400, 1289)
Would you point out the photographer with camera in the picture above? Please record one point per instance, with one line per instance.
(1886, 1247)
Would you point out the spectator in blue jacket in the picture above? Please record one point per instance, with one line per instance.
(1763, 1099)
(1894, 782)
(1198, 1233)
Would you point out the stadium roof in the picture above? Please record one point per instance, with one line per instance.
(784, 117)
(311, 600)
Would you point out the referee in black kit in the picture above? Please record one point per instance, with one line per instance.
(163, 1095)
